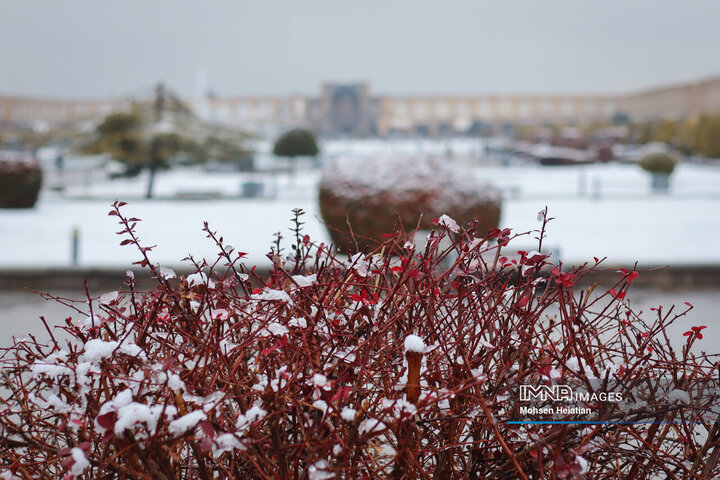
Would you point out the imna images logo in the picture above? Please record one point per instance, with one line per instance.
(544, 393)
(560, 393)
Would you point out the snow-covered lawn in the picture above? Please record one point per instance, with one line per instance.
(600, 210)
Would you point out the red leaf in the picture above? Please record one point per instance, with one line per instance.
(278, 345)
(267, 351)
(64, 451)
(341, 394)
(206, 444)
(523, 301)
(616, 294)
(208, 429)
(68, 462)
(107, 421)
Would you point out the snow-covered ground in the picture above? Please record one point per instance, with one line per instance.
(600, 210)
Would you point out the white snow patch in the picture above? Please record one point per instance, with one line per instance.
(167, 273)
(278, 329)
(80, 462)
(582, 463)
(360, 264)
(371, 425)
(576, 365)
(321, 381)
(348, 414)
(318, 471)
(272, 295)
(401, 408)
(108, 298)
(49, 369)
(226, 442)
(98, 349)
(448, 223)
(199, 278)
(297, 322)
(321, 405)
(186, 422)
(304, 281)
(253, 414)
(413, 343)
(134, 413)
(678, 395)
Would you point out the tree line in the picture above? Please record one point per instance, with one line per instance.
(692, 136)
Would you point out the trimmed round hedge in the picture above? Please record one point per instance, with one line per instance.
(658, 163)
(372, 193)
(20, 182)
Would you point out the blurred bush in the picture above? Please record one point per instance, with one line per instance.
(661, 163)
(20, 183)
(372, 194)
(298, 142)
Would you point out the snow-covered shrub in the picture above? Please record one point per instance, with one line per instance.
(383, 366)
(661, 163)
(660, 166)
(20, 182)
(372, 194)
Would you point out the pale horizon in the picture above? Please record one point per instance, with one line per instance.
(374, 92)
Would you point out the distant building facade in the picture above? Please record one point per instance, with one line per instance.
(353, 110)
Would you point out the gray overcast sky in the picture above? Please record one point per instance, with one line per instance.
(90, 48)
